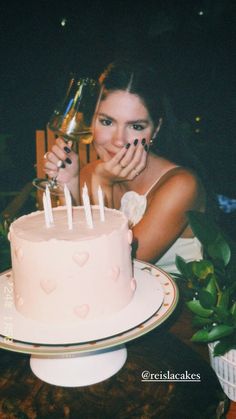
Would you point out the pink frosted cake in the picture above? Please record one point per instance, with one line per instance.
(64, 276)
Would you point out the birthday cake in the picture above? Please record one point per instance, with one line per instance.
(64, 275)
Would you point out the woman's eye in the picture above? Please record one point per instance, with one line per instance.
(105, 122)
(138, 127)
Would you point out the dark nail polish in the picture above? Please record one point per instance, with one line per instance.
(67, 149)
(135, 142)
(62, 166)
(127, 146)
(146, 147)
(143, 141)
(67, 160)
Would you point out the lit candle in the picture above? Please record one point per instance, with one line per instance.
(49, 205)
(46, 212)
(68, 207)
(87, 208)
(101, 204)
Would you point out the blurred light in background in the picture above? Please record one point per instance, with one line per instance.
(63, 21)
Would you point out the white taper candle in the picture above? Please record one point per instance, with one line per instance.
(49, 205)
(101, 203)
(87, 208)
(46, 213)
(68, 207)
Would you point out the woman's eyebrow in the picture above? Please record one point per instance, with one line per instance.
(136, 121)
(105, 115)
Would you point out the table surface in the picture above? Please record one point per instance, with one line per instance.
(124, 395)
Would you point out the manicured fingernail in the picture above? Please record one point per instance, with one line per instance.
(127, 146)
(62, 166)
(67, 160)
(135, 142)
(67, 149)
(143, 141)
(59, 163)
(146, 147)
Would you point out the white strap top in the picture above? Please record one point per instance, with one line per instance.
(134, 205)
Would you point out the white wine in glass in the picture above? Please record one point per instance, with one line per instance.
(72, 119)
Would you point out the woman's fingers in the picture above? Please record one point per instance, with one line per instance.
(61, 149)
(60, 157)
(140, 163)
(135, 159)
(127, 163)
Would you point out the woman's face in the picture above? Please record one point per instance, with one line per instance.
(121, 118)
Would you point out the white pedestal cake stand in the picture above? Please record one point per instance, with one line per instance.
(73, 356)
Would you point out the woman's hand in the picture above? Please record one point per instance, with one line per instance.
(127, 164)
(62, 162)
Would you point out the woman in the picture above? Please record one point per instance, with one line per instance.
(153, 191)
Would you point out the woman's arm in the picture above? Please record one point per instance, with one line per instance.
(165, 219)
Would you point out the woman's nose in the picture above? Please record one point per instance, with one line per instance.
(119, 137)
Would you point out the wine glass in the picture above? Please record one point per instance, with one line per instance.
(72, 119)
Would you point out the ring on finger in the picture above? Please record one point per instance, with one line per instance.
(46, 155)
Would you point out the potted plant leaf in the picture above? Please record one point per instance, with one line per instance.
(209, 287)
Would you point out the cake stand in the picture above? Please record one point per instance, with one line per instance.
(74, 358)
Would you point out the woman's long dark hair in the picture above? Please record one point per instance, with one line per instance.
(137, 78)
(177, 143)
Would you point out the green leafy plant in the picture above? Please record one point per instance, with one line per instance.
(210, 285)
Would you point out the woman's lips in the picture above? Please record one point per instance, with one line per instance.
(111, 153)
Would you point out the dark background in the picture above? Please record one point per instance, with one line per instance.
(193, 42)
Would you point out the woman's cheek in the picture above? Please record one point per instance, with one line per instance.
(98, 145)
(100, 150)
(101, 137)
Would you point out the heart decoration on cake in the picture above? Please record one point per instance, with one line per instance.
(82, 311)
(20, 301)
(114, 273)
(48, 285)
(81, 258)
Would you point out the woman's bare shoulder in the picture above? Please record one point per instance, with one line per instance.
(180, 175)
(181, 184)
